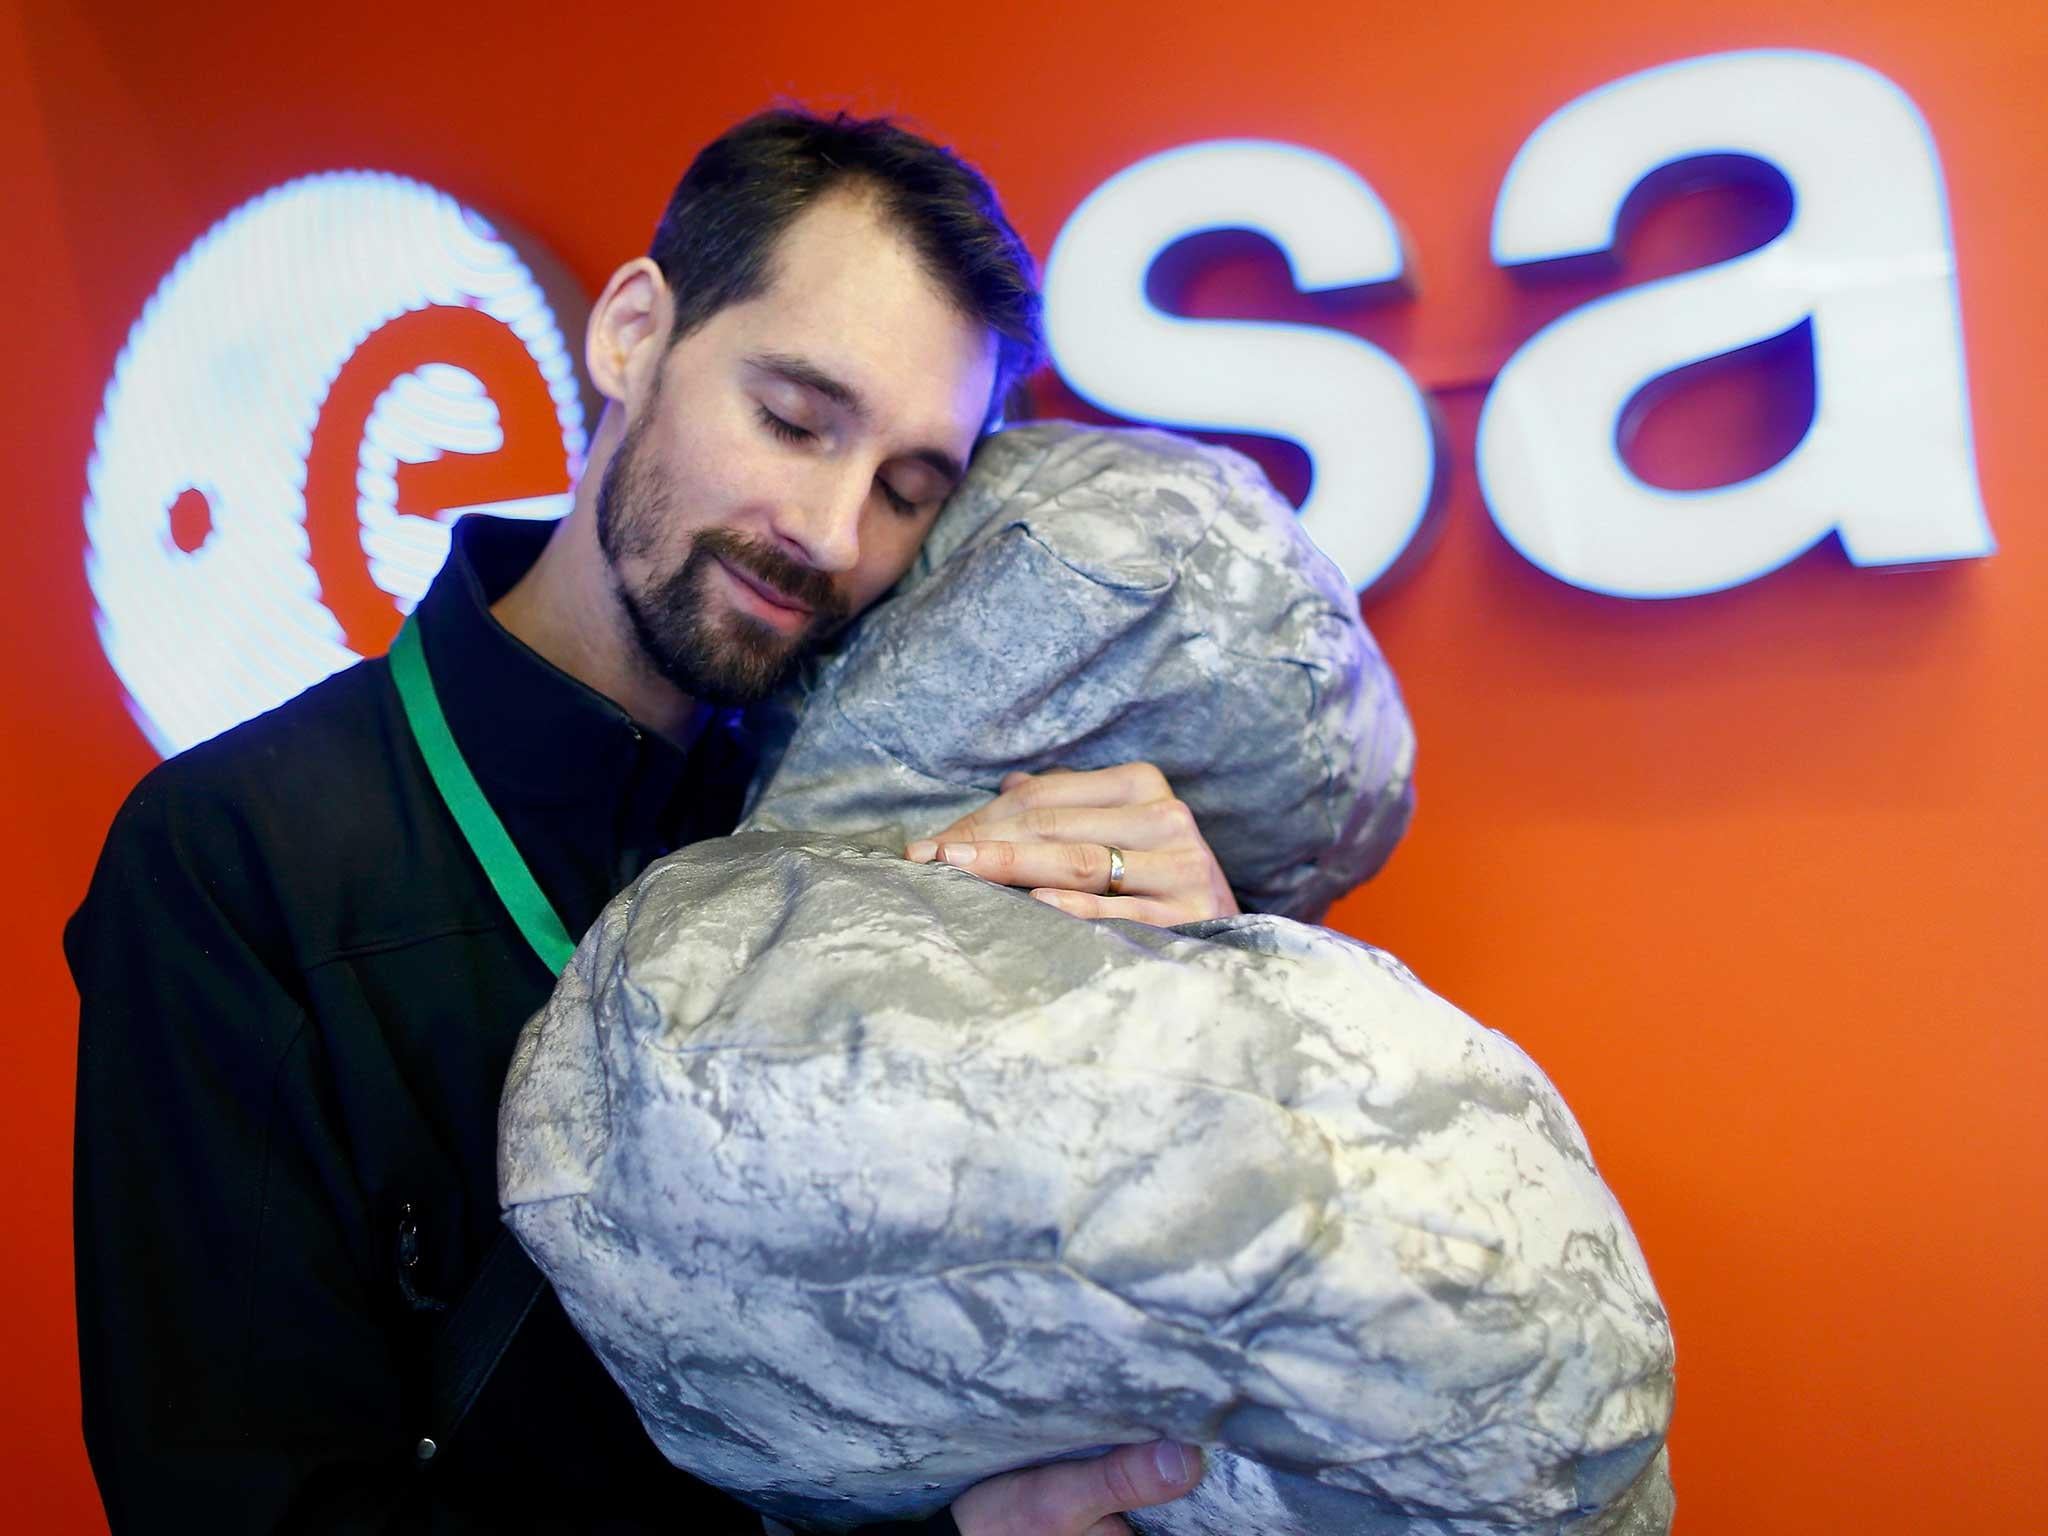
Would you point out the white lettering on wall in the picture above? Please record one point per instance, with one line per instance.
(1867, 258)
(1361, 419)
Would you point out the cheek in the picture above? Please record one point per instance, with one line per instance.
(738, 476)
(888, 545)
(702, 480)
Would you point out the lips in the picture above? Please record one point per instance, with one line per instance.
(780, 604)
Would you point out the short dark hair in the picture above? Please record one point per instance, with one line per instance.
(716, 240)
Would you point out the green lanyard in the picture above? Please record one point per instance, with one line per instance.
(485, 834)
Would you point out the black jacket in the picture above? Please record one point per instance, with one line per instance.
(299, 998)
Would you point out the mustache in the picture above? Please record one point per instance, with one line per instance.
(801, 583)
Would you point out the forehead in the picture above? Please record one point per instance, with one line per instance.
(849, 294)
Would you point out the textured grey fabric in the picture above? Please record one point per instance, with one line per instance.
(868, 1180)
(1094, 597)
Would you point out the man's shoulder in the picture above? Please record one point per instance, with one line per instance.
(303, 792)
(285, 761)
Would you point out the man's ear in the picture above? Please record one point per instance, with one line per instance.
(628, 330)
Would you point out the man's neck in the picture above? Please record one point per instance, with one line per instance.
(564, 610)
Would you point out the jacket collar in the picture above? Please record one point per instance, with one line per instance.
(527, 728)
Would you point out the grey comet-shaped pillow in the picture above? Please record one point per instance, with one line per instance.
(868, 1180)
(1092, 597)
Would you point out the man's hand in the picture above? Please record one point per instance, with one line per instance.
(1079, 1498)
(1053, 832)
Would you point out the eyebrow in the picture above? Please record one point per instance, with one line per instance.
(806, 374)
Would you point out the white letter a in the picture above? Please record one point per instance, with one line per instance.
(1888, 460)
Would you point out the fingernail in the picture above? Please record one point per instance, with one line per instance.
(959, 854)
(920, 852)
(1050, 898)
(1172, 1462)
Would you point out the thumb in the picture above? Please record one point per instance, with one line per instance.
(1067, 1498)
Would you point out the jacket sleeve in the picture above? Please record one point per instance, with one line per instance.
(240, 1369)
(234, 1374)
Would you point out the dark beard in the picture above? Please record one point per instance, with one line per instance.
(740, 660)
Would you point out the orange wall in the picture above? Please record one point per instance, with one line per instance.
(1757, 877)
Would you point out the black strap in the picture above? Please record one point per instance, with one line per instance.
(476, 1334)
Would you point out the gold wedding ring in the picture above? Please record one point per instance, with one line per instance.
(1116, 871)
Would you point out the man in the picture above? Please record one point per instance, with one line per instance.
(300, 989)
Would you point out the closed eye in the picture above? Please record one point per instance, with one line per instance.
(788, 431)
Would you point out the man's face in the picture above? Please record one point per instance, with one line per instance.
(790, 456)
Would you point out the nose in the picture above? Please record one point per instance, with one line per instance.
(820, 524)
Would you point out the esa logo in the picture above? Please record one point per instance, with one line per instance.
(1865, 264)
(345, 365)
(330, 377)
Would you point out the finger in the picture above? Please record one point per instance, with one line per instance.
(1072, 866)
(1155, 824)
(1138, 909)
(1108, 1525)
(1005, 807)
(1074, 1496)
(1127, 784)
(1017, 776)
